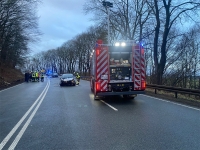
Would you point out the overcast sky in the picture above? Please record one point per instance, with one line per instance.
(60, 21)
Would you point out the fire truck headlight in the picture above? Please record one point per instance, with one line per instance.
(117, 44)
(123, 44)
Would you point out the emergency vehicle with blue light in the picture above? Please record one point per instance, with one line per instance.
(117, 69)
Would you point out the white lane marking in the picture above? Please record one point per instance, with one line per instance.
(5, 140)
(10, 87)
(109, 105)
(18, 137)
(172, 102)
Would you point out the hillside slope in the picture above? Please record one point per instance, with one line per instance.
(9, 76)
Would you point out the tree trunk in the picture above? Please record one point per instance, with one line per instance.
(157, 29)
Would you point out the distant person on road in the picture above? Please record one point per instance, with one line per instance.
(30, 76)
(42, 77)
(26, 76)
(33, 76)
(78, 77)
(37, 76)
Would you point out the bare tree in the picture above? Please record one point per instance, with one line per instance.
(18, 27)
(168, 14)
(127, 18)
(183, 61)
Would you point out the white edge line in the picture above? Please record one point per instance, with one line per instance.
(172, 102)
(6, 139)
(109, 105)
(11, 87)
(18, 137)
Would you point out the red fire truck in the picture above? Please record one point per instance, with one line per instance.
(117, 69)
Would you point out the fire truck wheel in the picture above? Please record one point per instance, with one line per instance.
(125, 96)
(128, 96)
(133, 96)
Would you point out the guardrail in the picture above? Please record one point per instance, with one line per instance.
(85, 78)
(175, 90)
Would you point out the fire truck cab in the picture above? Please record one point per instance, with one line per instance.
(117, 69)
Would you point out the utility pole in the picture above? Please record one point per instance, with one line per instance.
(108, 5)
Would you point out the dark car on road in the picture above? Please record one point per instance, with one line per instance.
(67, 79)
(54, 75)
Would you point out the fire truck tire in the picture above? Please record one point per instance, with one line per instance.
(128, 97)
(125, 96)
(131, 97)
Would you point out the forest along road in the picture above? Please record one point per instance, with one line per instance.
(46, 116)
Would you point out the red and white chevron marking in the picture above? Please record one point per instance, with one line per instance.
(102, 68)
(142, 65)
(136, 67)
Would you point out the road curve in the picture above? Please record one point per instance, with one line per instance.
(69, 118)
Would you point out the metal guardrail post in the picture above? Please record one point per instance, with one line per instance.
(176, 95)
(174, 90)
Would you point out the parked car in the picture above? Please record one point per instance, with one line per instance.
(54, 74)
(67, 79)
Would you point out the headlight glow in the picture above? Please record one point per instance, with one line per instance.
(123, 44)
(117, 44)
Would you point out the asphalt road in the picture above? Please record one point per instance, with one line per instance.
(49, 117)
